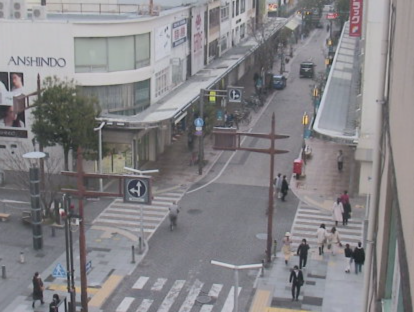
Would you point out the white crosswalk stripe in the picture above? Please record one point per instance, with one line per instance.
(309, 219)
(180, 294)
(127, 216)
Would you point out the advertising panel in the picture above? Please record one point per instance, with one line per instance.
(162, 42)
(197, 42)
(355, 18)
(179, 32)
(12, 105)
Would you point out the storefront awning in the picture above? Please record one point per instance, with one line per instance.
(293, 24)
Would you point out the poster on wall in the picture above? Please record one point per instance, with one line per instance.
(12, 105)
(162, 42)
(179, 31)
(197, 42)
(355, 18)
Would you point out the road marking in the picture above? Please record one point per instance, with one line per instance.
(125, 304)
(229, 303)
(107, 288)
(159, 284)
(145, 305)
(191, 297)
(140, 283)
(215, 290)
(206, 308)
(171, 296)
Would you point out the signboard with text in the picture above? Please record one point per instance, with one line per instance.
(355, 18)
(179, 32)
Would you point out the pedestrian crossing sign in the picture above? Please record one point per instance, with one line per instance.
(59, 271)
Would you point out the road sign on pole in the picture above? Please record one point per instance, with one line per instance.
(59, 271)
(137, 190)
(235, 94)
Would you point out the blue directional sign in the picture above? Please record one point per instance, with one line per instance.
(234, 94)
(137, 190)
(59, 271)
(88, 266)
(198, 122)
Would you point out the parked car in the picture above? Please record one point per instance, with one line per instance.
(307, 70)
(279, 82)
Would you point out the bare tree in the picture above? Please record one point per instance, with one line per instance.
(51, 181)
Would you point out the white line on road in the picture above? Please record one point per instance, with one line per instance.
(145, 305)
(125, 304)
(159, 284)
(191, 297)
(171, 296)
(206, 308)
(229, 303)
(140, 283)
(215, 290)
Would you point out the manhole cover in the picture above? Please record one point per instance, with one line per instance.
(194, 211)
(261, 236)
(203, 299)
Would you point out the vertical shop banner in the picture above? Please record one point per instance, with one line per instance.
(197, 42)
(162, 42)
(355, 18)
(179, 30)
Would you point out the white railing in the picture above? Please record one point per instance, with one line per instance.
(103, 8)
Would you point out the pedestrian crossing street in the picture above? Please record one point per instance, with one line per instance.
(127, 216)
(180, 296)
(308, 219)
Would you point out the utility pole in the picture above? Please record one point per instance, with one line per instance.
(234, 145)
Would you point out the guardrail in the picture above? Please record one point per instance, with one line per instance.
(104, 8)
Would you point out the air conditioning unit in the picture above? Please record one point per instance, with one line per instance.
(19, 10)
(39, 12)
(4, 8)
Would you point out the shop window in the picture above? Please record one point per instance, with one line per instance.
(214, 17)
(242, 6)
(120, 53)
(223, 44)
(162, 82)
(237, 7)
(126, 99)
(234, 9)
(112, 54)
(225, 13)
(242, 31)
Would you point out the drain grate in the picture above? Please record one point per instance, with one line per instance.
(203, 299)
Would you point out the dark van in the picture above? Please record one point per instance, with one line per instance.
(279, 82)
(307, 69)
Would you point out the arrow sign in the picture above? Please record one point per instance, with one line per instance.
(137, 190)
(234, 94)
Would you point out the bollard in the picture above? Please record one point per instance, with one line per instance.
(262, 269)
(140, 245)
(133, 254)
(274, 248)
(3, 271)
(21, 257)
(53, 231)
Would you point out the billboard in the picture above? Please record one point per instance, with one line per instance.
(162, 42)
(355, 18)
(197, 40)
(12, 105)
(179, 30)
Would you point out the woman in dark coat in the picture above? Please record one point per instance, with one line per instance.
(37, 289)
(285, 188)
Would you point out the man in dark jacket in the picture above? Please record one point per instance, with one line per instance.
(296, 278)
(284, 188)
(359, 258)
(303, 253)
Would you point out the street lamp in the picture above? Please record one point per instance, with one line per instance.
(236, 269)
(34, 175)
(103, 123)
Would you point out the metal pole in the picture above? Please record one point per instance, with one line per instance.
(236, 290)
(3, 271)
(270, 209)
(72, 269)
(82, 241)
(100, 160)
(201, 138)
(68, 280)
(36, 210)
(133, 254)
(142, 222)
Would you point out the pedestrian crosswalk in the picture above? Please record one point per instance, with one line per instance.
(127, 216)
(177, 295)
(308, 219)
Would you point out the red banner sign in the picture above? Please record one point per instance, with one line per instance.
(355, 18)
(330, 16)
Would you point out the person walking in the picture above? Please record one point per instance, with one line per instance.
(278, 185)
(348, 258)
(337, 211)
(303, 253)
(321, 235)
(347, 208)
(54, 305)
(37, 289)
(284, 188)
(340, 160)
(359, 257)
(333, 241)
(286, 248)
(296, 278)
